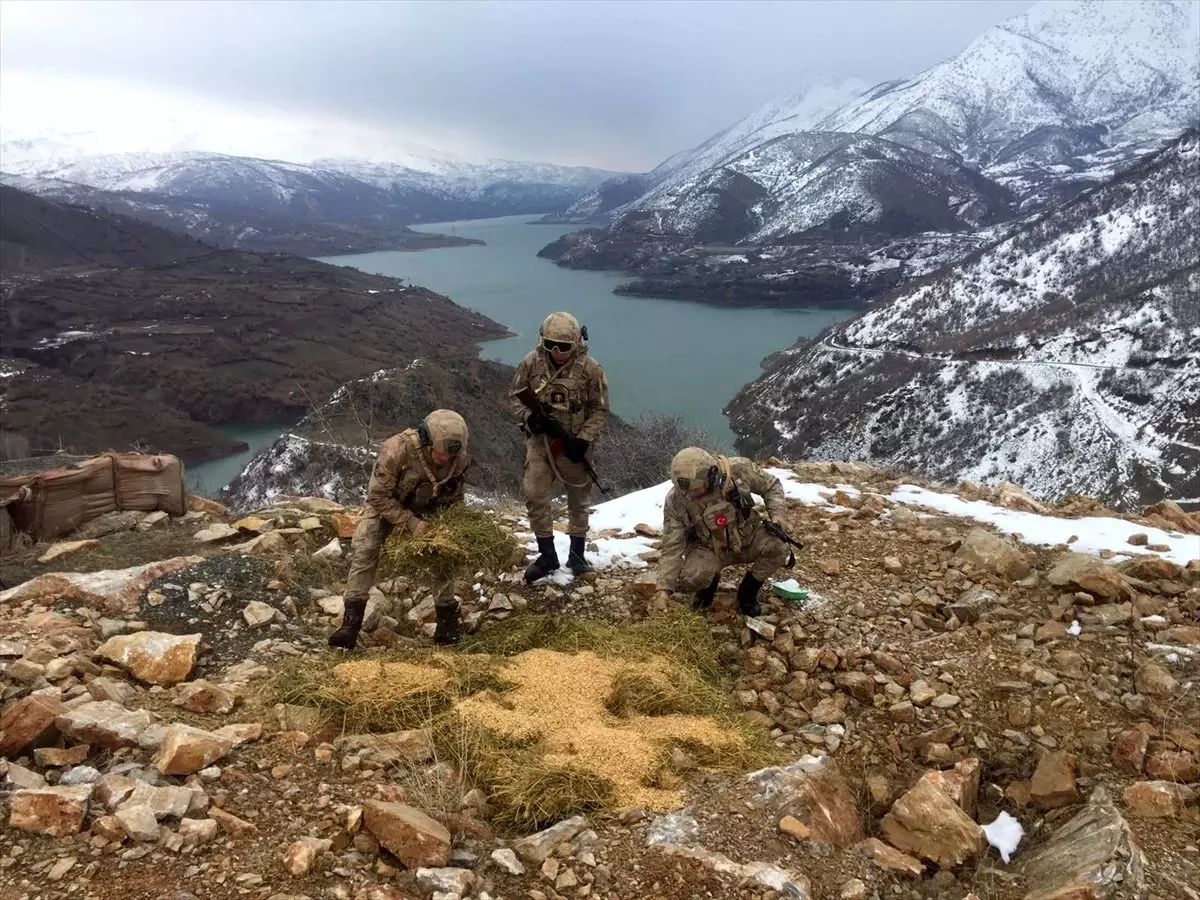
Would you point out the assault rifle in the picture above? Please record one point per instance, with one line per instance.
(780, 533)
(776, 530)
(554, 430)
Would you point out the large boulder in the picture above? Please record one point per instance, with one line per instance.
(28, 722)
(153, 656)
(1080, 572)
(927, 823)
(408, 834)
(56, 811)
(812, 791)
(104, 723)
(1092, 855)
(186, 750)
(537, 848)
(114, 590)
(987, 552)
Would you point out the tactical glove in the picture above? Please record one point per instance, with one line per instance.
(576, 449)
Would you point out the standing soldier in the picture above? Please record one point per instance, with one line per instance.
(710, 522)
(418, 472)
(573, 392)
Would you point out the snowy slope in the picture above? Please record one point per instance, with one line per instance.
(795, 184)
(1065, 357)
(789, 113)
(1120, 73)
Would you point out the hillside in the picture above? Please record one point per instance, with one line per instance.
(332, 449)
(960, 704)
(1063, 357)
(36, 235)
(1032, 112)
(219, 336)
(326, 207)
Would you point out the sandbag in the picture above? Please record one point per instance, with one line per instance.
(66, 498)
(148, 483)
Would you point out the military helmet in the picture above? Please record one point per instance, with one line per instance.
(692, 467)
(444, 430)
(561, 328)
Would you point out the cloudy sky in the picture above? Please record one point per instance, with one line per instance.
(616, 83)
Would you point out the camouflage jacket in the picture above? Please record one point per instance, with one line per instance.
(405, 485)
(577, 393)
(723, 521)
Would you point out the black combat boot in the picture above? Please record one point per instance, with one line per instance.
(447, 625)
(352, 618)
(704, 597)
(545, 564)
(748, 596)
(576, 561)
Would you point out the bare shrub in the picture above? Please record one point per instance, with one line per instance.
(636, 455)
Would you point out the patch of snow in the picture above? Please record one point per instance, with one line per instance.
(790, 585)
(1004, 834)
(1094, 533)
(1074, 629)
(627, 511)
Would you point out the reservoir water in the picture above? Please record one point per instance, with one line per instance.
(667, 356)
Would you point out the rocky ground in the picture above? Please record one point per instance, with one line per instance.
(938, 678)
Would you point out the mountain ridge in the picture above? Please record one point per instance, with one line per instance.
(1073, 338)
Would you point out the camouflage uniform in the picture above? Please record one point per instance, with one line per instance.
(576, 393)
(406, 485)
(702, 535)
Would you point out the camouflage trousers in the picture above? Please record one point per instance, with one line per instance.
(539, 487)
(369, 537)
(764, 554)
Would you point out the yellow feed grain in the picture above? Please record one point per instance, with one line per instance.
(389, 680)
(559, 699)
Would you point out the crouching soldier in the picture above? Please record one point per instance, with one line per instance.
(418, 472)
(571, 388)
(710, 522)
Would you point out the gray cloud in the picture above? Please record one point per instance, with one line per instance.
(618, 83)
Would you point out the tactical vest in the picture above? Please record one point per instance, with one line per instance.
(564, 391)
(723, 520)
(419, 489)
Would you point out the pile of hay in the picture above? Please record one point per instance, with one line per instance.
(563, 716)
(393, 692)
(460, 540)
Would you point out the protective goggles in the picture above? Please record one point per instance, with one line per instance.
(453, 446)
(560, 346)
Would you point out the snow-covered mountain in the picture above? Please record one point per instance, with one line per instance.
(1045, 105)
(1065, 356)
(336, 206)
(1049, 91)
(787, 114)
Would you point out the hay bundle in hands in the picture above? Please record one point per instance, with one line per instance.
(459, 540)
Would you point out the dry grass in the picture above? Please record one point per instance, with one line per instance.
(461, 539)
(683, 637)
(663, 690)
(298, 569)
(392, 692)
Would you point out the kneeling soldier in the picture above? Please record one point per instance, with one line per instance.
(419, 471)
(710, 522)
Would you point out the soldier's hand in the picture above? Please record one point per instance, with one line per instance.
(418, 527)
(661, 601)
